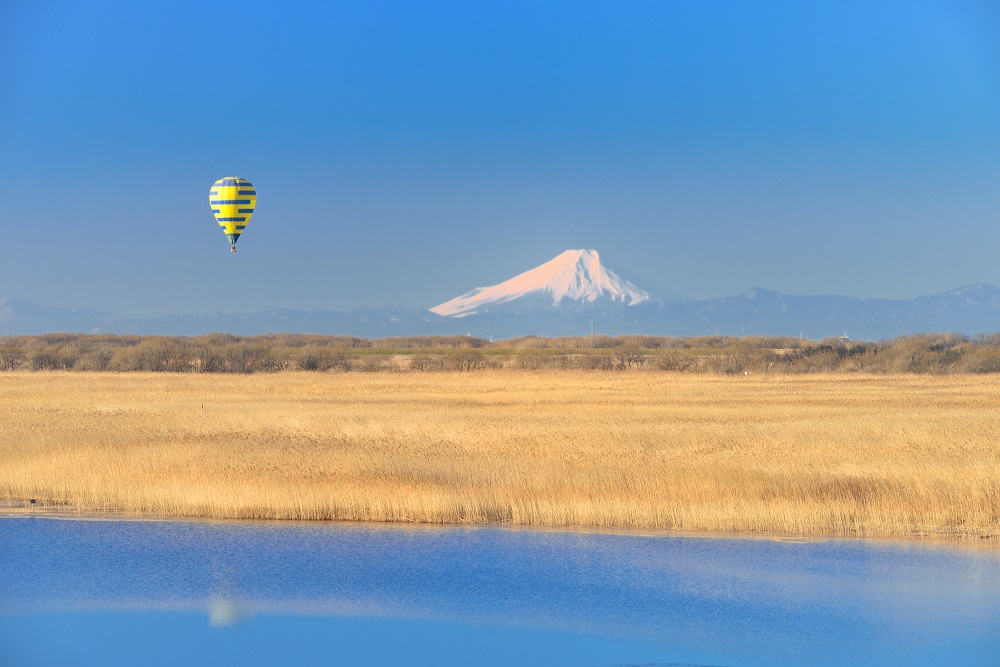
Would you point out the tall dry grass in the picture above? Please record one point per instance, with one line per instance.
(827, 454)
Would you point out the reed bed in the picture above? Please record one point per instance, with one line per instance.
(818, 454)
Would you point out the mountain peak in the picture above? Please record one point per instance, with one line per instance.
(575, 275)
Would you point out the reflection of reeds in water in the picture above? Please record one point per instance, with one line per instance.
(869, 455)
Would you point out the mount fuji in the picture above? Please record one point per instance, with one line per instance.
(575, 277)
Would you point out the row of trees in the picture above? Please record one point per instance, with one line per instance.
(223, 353)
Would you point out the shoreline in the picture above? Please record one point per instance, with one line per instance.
(23, 510)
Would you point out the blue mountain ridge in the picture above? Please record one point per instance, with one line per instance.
(971, 309)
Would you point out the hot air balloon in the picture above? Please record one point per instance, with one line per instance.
(233, 200)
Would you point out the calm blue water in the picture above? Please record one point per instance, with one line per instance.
(168, 593)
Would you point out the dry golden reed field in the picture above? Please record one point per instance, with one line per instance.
(817, 454)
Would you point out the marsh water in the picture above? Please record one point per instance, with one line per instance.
(75, 592)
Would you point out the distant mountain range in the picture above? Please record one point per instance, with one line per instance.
(572, 294)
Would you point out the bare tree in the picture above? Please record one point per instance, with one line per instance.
(628, 357)
(11, 355)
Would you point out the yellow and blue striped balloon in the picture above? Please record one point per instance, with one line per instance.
(232, 199)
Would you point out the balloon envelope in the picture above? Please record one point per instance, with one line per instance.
(233, 200)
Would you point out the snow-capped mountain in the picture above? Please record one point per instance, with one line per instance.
(576, 276)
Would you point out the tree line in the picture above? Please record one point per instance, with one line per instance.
(226, 353)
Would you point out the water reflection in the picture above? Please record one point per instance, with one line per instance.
(616, 597)
(223, 613)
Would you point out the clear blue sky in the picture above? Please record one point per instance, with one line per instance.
(406, 152)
